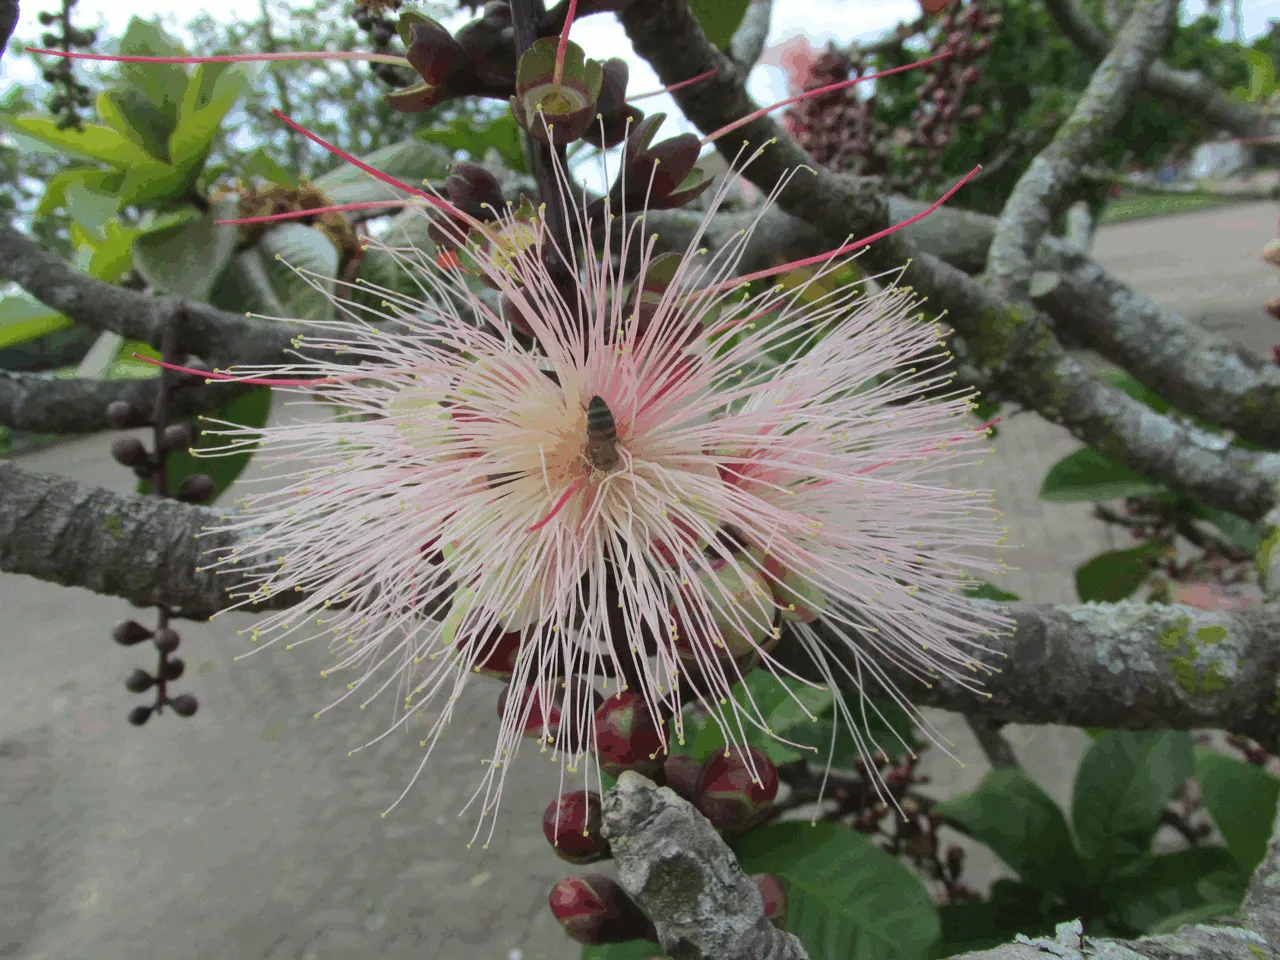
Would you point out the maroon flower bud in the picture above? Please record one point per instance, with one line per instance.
(682, 775)
(120, 415)
(129, 451)
(139, 715)
(973, 112)
(139, 681)
(538, 722)
(593, 909)
(970, 76)
(955, 861)
(628, 736)
(128, 632)
(196, 488)
(736, 788)
(775, 898)
(615, 114)
(166, 640)
(572, 825)
(176, 436)
(184, 705)
(495, 650)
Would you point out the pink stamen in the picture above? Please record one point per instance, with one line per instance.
(564, 42)
(805, 95)
(314, 211)
(558, 507)
(989, 423)
(227, 57)
(226, 377)
(675, 86)
(848, 247)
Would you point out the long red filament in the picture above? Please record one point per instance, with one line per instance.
(564, 42)
(805, 95)
(226, 57)
(675, 86)
(228, 378)
(315, 211)
(564, 498)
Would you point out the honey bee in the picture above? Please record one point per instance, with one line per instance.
(601, 451)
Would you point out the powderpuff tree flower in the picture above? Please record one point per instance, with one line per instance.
(619, 487)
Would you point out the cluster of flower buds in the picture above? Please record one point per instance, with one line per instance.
(478, 61)
(130, 452)
(70, 96)
(127, 633)
(966, 31)
(371, 18)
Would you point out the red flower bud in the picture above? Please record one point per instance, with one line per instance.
(495, 649)
(572, 825)
(736, 788)
(627, 736)
(775, 898)
(594, 909)
(682, 775)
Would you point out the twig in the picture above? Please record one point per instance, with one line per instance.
(749, 39)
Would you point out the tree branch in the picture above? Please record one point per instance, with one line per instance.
(1056, 169)
(1036, 369)
(749, 39)
(216, 335)
(41, 403)
(1190, 89)
(685, 878)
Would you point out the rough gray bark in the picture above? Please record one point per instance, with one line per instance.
(42, 403)
(685, 878)
(1055, 170)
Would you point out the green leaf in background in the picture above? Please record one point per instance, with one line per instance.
(1009, 909)
(1245, 535)
(94, 178)
(23, 318)
(213, 90)
(989, 591)
(1022, 825)
(137, 118)
(1087, 475)
(260, 164)
(1114, 576)
(475, 138)
(90, 208)
(1124, 381)
(410, 161)
(94, 142)
(162, 84)
(293, 247)
(1123, 784)
(1241, 798)
(846, 897)
(631, 950)
(186, 259)
(1201, 914)
(1169, 885)
(719, 18)
(249, 410)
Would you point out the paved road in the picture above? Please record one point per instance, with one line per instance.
(249, 833)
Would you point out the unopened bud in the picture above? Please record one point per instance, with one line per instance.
(736, 788)
(627, 736)
(571, 824)
(774, 895)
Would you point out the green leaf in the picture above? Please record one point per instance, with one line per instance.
(162, 84)
(93, 142)
(1023, 826)
(1123, 784)
(293, 247)
(1124, 381)
(1170, 884)
(213, 90)
(186, 260)
(24, 318)
(249, 410)
(473, 138)
(719, 18)
(1201, 914)
(260, 164)
(410, 161)
(631, 950)
(1113, 576)
(1241, 798)
(94, 178)
(1087, 475)
(989, 591)
(1242, 533)
(846, 897)
(89, 207)
(137, 118)
(1010, 909)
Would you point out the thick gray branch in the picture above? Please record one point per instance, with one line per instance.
(1056, 169)
(748, 40)
(1019, 342)
(685, 878)
(1114, 665)
(42, 403)
(1190, 89)
(216, 335)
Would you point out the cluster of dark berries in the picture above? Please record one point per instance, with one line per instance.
(132, 452)
(70, 95)
(127, 633)
(966, 31)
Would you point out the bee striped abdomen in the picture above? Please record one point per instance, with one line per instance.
(602, 436)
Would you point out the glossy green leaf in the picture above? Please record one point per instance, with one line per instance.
(1022, 825)
(1241, 798)
(1087, 475)
(846, 897)
(719, 18)
(1158, 887)
(138, 119)
(1114, 576)
(162, 84)
(1123, 784)
(475, 139)
(249, 410)
(186, 260)
(24, 318)
(213, 90)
